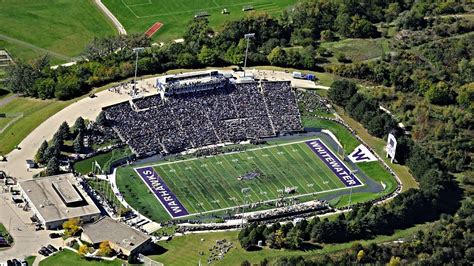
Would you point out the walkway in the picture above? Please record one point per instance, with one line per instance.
(111, 16)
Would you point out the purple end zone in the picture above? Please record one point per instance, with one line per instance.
(338, 168)
(156, 184)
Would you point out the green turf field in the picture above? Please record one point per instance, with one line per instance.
(104, 160)
(61, 28)
(211, 184)
(139, 15)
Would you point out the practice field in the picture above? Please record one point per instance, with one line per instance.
(60, 28)
(225, 181)
(139, 15)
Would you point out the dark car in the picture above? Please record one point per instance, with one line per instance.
(51, 247)
(54, 235)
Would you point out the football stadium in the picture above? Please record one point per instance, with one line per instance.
(209, 144)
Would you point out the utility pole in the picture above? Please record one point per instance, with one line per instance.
(247, 36)
(136, 51)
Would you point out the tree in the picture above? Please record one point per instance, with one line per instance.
(101, 120)
(40, 154)
(21, 78)
(105, 249)
(78, 143)
(67, 87)
(394, 261)
(83, 250)
(71, 227)
(465, 96)
(439, 94)
(328, 36)
(53, 151)
(360, 255)
(277, 57)
(362, 28)
(207, 56)
(186, 60)
(53, 167)
(341, 91)
(45, 88)
(79, 125)
(63, 131)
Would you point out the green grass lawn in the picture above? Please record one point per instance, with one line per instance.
(30, 260)
(184, 250)
(34, 113)
(3, 230)
(68, 257)
(208, 184)
(61, 26)
(104, 160)
(138, 15)
(358, 49)
(348, 141)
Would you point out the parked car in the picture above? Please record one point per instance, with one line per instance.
(51, 247)
(54, 235)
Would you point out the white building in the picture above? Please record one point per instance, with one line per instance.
(55, 199)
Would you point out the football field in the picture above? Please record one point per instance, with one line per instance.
(139, 15)
(202, 185)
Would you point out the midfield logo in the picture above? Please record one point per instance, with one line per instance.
(362, 154)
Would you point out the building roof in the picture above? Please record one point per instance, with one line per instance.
(58, 197)
(107, 229)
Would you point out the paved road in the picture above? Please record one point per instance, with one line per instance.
(34, 47)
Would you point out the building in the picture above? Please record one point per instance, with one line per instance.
(122, 238)
(55, 199)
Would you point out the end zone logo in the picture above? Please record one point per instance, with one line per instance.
(362, 154)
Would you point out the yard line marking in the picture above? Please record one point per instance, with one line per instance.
(130, 9)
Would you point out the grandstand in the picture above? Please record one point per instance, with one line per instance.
(204, 109)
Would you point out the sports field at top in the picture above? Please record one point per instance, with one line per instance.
(138, 15)
(60, 28)
(209, 184)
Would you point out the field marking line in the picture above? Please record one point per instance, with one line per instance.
(215, 3)
(34, 47)
(188, 11)
(130, 9)
(142, 4)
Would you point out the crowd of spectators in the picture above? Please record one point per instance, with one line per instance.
(232, 113)
(312, 102)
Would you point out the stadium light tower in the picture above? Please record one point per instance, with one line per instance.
(247, 36)
(136, 51)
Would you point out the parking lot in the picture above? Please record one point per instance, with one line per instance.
(27, 241)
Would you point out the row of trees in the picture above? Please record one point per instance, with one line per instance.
(304, 25)
(49, 153)
(365, 110)
(447, 241)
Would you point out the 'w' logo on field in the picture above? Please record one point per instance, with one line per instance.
(359, 155)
